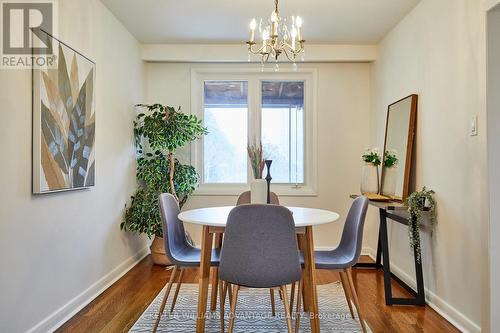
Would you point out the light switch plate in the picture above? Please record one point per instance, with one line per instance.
(473, 126)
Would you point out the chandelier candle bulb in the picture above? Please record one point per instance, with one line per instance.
(253, 25)
(274, 24)
(298, 21)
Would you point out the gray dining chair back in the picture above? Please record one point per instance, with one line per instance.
(352, 236)
(180, 252)
(174, 234)
(245, 198)
(345, 256)
(260, 247)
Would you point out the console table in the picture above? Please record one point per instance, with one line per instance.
(388, 210)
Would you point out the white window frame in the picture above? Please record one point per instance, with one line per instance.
(254, 78)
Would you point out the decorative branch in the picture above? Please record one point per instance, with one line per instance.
(257, 163)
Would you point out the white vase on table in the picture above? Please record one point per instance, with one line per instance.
(369, 178)
(258, 191)
(389, 182)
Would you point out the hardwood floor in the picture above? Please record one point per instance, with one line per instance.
(119, 306)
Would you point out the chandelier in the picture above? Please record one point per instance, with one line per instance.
(279, 36)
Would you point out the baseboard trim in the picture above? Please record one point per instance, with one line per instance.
(68, 310)
(451, 314)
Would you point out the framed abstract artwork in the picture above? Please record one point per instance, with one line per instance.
(63, 122)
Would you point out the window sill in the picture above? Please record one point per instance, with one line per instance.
(237, 189)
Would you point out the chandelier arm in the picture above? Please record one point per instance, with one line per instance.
(258, 51)
(289, 49)
(292, 59)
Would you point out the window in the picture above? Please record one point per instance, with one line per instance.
(275, 110)
(225, 146)
(283, 129)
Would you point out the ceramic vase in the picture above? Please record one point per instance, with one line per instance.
(389, 182)
(258, 191)
(369, 178)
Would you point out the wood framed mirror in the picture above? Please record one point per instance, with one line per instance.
(398, 148)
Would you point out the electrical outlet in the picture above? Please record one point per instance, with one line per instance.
(473, 126)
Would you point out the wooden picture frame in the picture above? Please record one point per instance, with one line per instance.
(408, 158)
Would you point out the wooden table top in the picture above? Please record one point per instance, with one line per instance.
(386, 205)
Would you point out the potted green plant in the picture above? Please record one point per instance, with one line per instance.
(369, 172)
(159, 132)
(417, 203)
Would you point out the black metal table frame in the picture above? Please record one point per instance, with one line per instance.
(383, 254)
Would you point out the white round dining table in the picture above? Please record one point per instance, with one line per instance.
(213, 220)
(217, 216)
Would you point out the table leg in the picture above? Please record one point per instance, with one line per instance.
(215, 278)
(305, 291)
(385, 257)
(310, 279)
(206, 254)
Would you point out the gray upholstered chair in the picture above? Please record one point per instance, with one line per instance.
(178, 250)
(245, 197)
(264, 235)
(345, 256)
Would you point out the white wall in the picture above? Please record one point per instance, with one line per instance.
(235, 53)
(57, 250)
(343, 133)
(494, 162)
(438, 52)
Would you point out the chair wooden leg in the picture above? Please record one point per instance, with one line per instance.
(273, 310)
(232, 313)
(297, 311)
(229, 292)
(164, 301)
(287, 308)
(355, 299)
(346, 288)
(292, 296)
(222, 303)
(177, 288)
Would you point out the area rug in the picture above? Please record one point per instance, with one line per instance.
(253, 312)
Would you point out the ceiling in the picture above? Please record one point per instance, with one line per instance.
(226, 21)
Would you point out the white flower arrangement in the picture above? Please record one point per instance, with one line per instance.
(391, 158)
(371, 156)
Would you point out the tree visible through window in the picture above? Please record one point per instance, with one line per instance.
(225, 116)
(282, 130)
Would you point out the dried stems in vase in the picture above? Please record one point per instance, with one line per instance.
(256, 160)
